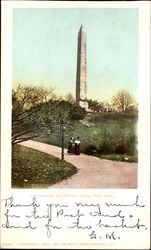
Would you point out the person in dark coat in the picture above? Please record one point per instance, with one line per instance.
(71, 146)
(77, 146)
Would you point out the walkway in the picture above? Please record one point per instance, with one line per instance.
(93, 172)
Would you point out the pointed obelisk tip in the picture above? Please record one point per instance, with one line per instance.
(82, 27)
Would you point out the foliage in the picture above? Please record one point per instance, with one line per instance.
(113, 116)
(123, 101)
(95, 105)
(30, 96)
(107, 133)
(69, 98)
(77, 113)
(35, 112)
(26, 101)
(31, 168)
(52, 112)
(90, 150)
(118, 157)
(23, 127)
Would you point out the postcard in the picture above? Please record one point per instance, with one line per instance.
(75, 125)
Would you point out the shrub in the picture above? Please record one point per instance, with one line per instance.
(121, 148)
(113, 116)
(127, 147)
(77, 113)
(106, 148)
(90, 150)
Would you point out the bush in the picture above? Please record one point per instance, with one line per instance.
(106, 148)
(77, 113)
(90, 150)
(127, 147)
(121, 148)
(113, 116)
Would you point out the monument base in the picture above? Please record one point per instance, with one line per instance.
(83, 104)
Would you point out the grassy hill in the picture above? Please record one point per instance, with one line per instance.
(34, 169)
(106, 135)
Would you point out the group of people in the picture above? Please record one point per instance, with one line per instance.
(74, 146)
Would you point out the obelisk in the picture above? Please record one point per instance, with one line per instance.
(81, 77)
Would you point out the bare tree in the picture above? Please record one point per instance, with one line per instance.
(26, 101)
(29, 96)
(123, 101)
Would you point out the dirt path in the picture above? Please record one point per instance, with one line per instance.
(92, 171)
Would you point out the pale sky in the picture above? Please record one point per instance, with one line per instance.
(45, 49)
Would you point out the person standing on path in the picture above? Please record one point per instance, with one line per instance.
(77, 146)
(71, 146)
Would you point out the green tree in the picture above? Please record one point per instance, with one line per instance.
(70, 98)
(95, 105)
(52, 112)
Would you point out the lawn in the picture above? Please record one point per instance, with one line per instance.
(34, 169)
(106, 135)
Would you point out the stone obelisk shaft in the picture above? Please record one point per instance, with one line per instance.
(81, 77)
